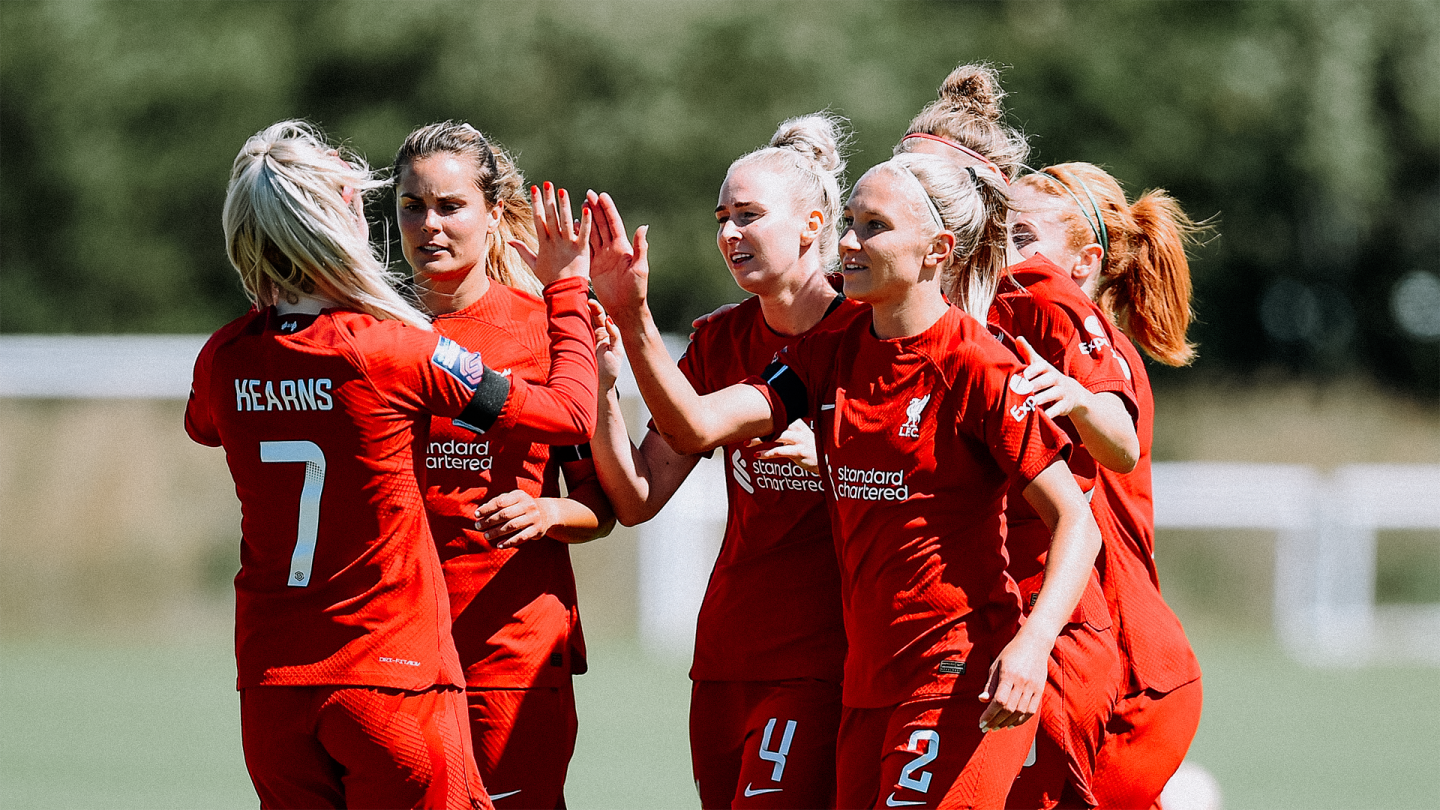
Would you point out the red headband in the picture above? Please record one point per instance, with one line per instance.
(986, 162)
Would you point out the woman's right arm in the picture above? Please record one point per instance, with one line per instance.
(689, 422)
(199, 422)
(638, 481)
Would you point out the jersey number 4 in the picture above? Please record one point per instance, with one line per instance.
(303, 558)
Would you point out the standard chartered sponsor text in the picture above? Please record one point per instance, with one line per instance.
(459, 455)
(871, 485)
(784, 476)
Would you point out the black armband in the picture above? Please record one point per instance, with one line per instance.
(487, 403)
(570, 452)
(785, 382)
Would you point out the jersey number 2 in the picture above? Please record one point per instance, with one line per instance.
(303, 558)
(907, 773)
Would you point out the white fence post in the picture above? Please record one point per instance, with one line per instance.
(1278, 497)
(1366, 498)
(1325, 550)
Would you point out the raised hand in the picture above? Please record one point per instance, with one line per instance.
(563, 246)
(620, 271)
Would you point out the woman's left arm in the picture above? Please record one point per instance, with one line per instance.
(1101, 418)
(517, 517)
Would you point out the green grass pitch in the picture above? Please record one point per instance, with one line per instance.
(116, 725)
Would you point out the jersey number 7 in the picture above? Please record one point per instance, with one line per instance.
(303, 558)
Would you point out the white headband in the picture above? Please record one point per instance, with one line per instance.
(929, 202)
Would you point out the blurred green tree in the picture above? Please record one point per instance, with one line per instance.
(1310, 129)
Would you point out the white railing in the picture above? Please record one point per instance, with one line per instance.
(1326, 527)
(98, 366)
(1326, 523)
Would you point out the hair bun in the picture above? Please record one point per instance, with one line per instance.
(819, 137)
(974, 89)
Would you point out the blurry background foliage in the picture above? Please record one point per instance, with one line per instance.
(1310, 131)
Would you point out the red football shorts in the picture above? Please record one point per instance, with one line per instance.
(1148, 736)
(765, 744)
(1081, 690)
(929, 752)
(359, 747)
(523, 740)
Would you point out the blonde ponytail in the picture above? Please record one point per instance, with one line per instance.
(292, 228)
(971, 204)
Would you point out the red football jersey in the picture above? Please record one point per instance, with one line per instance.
(919, 438)
(339, 582)
(1038, 302)
(1152, 642)
(772, 608)
(516, 623)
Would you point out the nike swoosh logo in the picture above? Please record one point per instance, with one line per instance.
(495, 797)
(749, 791)
(891, 801)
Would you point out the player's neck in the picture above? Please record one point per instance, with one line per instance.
(470, 289)
(305, 304)
(795, 311)
(909, 315)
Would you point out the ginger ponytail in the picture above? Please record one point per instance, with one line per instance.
(1144, 282)
(1148, 294)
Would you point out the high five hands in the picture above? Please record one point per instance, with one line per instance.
(620, 271)
(609, 352)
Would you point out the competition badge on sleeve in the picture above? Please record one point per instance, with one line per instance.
(463, 365)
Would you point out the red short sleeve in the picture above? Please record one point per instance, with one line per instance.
(1023, 440)
(1079, 344)
(199, 422)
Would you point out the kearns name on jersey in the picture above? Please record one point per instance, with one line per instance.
(284, 395)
